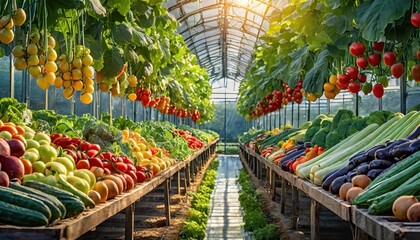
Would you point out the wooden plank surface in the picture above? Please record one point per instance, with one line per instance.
(89, 219)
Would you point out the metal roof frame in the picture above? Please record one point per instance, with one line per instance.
(239, 25)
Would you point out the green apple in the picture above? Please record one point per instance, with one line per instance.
(28, 129)
(47, 153)
(38, 166)
(33, 176)
(30, 143)
(50, 180)
(44, 142)
(69, 164)
(31, 156)
(28, 135)
(6, 135)
(85, 176)
(42, 136)
(92, 177)
(51, 168)
(79, 183)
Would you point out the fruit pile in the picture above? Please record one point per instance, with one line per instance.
(58, 176)
(193, 142)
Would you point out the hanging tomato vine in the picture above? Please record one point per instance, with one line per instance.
(315, 48)
(132, 46)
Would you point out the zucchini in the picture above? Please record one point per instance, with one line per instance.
(18, 198)
(57, 192)
(68, 187)
(389, 181)
(383, 203)
(56, 207)
(74, 206)
(20, 216)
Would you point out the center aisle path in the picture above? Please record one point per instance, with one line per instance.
(225, 218)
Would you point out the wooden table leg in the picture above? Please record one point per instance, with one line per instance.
(129, 221)
(187, 176)
(315, 220)
(295, 207)
(273, 184)
(283, 196)
(167, 203)
(178, 176)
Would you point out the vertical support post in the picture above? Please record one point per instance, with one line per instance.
(309, 112)
(403, 89)
(315, 207)
(298, 115)
(187, 175)
(46, 99)
(380, 104)
(356, 104)
(285, 113)
(292, 115)
(178, 176)
(295, 207)
(110, 107)
(283, 196)
(329, 106)
(12, 77)
(129, 221)
(167, 203)
(225, 121)
(273, 184)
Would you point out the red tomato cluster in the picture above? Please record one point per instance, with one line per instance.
(193, 142)
(277, 99)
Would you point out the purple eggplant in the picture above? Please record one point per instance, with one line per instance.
(337, 183)
(385, 153)
(401, 151)
(373, 173)
(351, 175)
(307, 144)
(326, 183)
(414, 134)
(380, 164)
(414, 146)
(362, 169)
(371, 152)
(285, 161)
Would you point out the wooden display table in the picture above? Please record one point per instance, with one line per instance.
(89, 219)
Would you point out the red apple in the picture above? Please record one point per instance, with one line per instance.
(4, 148)
(12, 166)
(4, 179)
(83, 164)
(84, 146)
(94, 146)
(17, 148)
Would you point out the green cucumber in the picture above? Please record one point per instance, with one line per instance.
(18, 198)
(55, 191)
(74, 206)
(20, 216)
(52, 202)
(68, 187)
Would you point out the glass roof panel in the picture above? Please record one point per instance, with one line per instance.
(223, 34)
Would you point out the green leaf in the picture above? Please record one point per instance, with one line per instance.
(373, 17)
(123, 6)
(113, 62)
(315, 78)
(298, 62)
(335, 24)
(2, 52)
(140, 38)
(122, 33)
(131, 55)
(95, 47)
(146, 20)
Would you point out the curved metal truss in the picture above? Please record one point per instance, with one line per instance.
(223, 33)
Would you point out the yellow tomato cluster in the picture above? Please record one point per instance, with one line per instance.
(7, 22)
(141, 150)
(76, 75)
(40, 63)
(330, 88)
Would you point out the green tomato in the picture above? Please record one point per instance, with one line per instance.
(383, 80)
(367, 88)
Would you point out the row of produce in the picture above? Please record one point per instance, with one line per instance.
(372, 162)
(319, 49)
(55, 166)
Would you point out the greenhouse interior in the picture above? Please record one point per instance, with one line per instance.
(210, 119)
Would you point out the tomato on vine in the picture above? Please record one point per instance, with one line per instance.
(357, 49)
(354, 87)
(397, 70)
(415, 19)
(362, 62)
(362, 78)
(378, 46)
(352, 72)
(374, 59)
(390, 58)
(378, 90)
(367, 88)
(415, 72)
